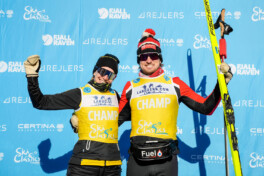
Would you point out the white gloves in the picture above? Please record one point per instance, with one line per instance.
(74, 123)
(226, 70)
(32, 66)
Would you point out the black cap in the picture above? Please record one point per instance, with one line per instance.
(108, 60)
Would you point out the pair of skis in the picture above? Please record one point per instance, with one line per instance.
(226, 101)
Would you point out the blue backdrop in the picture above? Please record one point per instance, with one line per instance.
(70, 36)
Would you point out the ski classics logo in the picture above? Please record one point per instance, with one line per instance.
(113, 13)
(106, 41)
(40, 127)
(34, 14)
(100, 132)
(257, 131)
(161, 15)
(257, 160)
(169, 70)
(146, 127)
(56, 40)
(258, 14)
(228, 15)
(171, 42)
(245, 69)
(201, 42)
(7, 13)
(1, 156)
(24, 156)
(3, 128)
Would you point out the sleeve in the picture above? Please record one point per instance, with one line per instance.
(66, 100)
(196, 102)
(124, 106)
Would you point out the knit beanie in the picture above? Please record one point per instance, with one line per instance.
(148, 44)
(108, 60)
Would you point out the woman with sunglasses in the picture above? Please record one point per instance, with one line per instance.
(96, 105)
(151, 103)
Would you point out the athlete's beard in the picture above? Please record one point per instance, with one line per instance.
(101, 87)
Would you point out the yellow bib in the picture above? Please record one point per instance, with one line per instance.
(98, 115)
(154, 107)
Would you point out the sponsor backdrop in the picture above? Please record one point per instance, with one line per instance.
(70, 36)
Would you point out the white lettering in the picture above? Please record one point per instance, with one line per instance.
(102, 115)
(153, 103)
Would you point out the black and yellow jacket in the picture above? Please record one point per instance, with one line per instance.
(98, 121)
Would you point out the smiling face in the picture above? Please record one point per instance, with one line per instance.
(149, 66)
(103, 79)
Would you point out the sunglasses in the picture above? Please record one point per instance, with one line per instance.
(103, 72)
(144, 57)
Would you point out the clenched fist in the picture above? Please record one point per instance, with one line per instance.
(32, 66)
(226, 70)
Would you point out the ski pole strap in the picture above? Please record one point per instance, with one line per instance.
(154, 151)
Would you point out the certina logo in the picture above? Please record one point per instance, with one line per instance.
(258, 14)
(102, 101)
(100, 132)
(1, 156)
(63, 40)
(113, 13)
(171, 42)
(211, 159)
(257, 131)
(40, 127)
(257, 160)
(3, 128)
(152, 89)
(34, 14)
(17, 66)
(201, 42)
(128, 69)
(161, 15)
(244, 69)
(228, 15)
(146, 127)
(7, 13)
(106, 41)
(24, 156)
